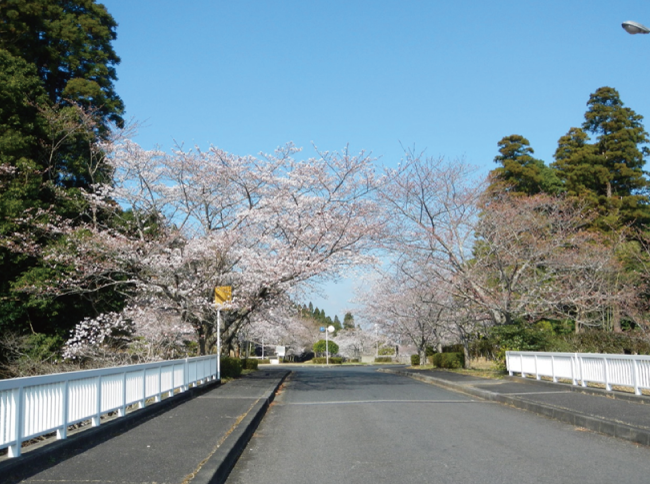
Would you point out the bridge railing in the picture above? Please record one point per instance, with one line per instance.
(35, 406)
(582, 368)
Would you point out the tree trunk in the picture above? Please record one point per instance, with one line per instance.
(202, 345)
(466, 353)
(616, 319)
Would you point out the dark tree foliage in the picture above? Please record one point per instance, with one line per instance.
(609, 172)
(69, 43)
(320, 318)
(57, 69)
(521, 173)
(348, 321)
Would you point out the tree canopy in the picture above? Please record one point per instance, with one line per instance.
(520, 173)
(69, 44)
(608, 172)
(57, 102)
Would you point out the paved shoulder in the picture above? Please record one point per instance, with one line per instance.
(191, 442)
(626, 417)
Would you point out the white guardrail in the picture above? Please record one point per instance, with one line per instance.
(38, 405)
(582, 368)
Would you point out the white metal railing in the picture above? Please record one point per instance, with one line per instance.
(38, 405)
(624, 370)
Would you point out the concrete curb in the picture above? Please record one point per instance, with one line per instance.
(616, 395)
(219, 465)
(597, 424)
(52, 451)
(475, 392)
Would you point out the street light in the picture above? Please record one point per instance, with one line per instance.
(330, 329)
(635, 28)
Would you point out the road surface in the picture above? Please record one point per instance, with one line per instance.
(355, 425)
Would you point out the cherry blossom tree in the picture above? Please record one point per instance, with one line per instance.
(535, 258)
(186, 222)
(408, 306)
(498, 258)
(281, 325)
(355, 342)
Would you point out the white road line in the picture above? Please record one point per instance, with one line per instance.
(536, 393)
(365, 402)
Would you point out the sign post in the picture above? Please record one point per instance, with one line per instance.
(222, 295)
(330, 329)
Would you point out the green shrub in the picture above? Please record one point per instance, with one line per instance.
(415, 360)
(457, 348)
(321, 360)
(604, 342)
(264, 361)
(249, 364)
(231, 367)
(514, 337)
(448, 360)
(319, 347)
(387, 351)
(384, 359)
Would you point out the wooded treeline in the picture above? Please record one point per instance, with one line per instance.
(535, 252)
(111, 253)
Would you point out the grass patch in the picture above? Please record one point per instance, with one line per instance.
(493, 374)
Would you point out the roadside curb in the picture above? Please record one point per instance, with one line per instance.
(597, 424)
(616, 395)
(218, 466)
(475, 392)
(51, 451)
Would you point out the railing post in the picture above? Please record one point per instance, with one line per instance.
(608, 387)
(14, 450)
(62, 433)
(635, 376)
(186, 374)
(521, 362)
(537, 377)
(96, 420)
(582, 371)
(574, 364)
(122, 411)
(553, 369)
(143, 401)
(159, 396)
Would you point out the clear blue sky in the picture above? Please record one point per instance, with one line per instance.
(449, 77)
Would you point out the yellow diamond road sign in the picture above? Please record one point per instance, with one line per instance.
(222, 294)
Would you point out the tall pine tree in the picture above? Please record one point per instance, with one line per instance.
(609, 172)
(57, 69)
(520, 173)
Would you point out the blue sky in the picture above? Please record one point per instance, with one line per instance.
(451, 78)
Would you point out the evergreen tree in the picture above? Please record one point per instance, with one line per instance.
(608, 173)
(56, 99)
(520, 172)
(348, 321)
(69, 43)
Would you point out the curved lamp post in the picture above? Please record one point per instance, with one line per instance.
(635, 28)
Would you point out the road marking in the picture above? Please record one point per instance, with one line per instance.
(537, 393)
(365, 402)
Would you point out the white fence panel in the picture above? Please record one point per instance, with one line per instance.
(34, 406)
(622, 370)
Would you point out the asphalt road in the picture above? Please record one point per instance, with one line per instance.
(355, 425)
